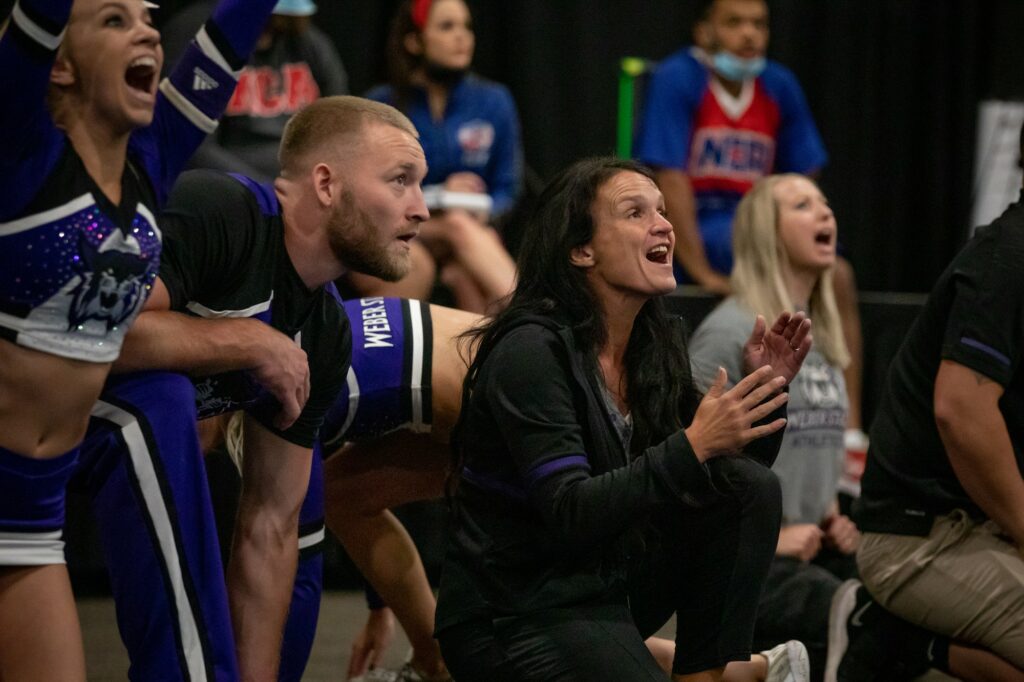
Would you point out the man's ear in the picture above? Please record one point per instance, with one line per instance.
(413, 44)
(62, 73)
(582, 256)
(326, 184)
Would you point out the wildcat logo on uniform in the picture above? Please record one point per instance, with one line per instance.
(110, 285)
(208, 403)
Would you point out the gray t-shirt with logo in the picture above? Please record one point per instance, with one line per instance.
(811, 457)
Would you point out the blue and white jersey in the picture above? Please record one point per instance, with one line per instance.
(75, 268)
(724, 143)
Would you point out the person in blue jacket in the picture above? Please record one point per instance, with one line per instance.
(469, 130)
(468, 125)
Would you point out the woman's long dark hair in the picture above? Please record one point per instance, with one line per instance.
(660, 389)
(402, 64)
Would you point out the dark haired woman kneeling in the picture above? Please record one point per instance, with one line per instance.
(599, 492)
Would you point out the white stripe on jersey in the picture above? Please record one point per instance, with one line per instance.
(210, 50)
(416, 378)
(187, 109)
(734, 107)
(202, 311)
(353, 407)
(156, 507)
(52, 215)
(35, 31)
(31, 549)
(311, 539)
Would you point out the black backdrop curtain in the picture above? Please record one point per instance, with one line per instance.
(893, 84)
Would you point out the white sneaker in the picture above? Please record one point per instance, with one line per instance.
(843, 603)
(788, 662)
(406, 674)
(377, 675)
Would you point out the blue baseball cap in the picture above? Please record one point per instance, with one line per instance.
(295, 8)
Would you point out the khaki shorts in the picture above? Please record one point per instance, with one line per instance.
(964, 580)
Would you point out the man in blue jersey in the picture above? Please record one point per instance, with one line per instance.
(719, 116)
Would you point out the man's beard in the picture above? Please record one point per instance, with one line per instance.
(354, 241)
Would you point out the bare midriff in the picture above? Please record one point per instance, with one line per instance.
(45, 400)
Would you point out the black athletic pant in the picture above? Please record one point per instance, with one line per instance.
(707, 565)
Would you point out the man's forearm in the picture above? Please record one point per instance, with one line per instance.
(260, 576)
(682, 213)
(169, 340)
(983, 459)
(265, 547)
(979, 447)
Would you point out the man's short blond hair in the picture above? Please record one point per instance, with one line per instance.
(337, 120)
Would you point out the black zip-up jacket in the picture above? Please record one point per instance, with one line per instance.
(550, 505)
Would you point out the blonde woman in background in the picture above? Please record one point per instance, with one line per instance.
(784, 240)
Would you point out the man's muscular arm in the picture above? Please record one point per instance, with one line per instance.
(265, 547)
(682, 213)
(977, 441)
(165, 339)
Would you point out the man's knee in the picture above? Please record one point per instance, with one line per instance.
(962, 581)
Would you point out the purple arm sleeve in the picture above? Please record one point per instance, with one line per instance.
(30, 142)
(198, 89)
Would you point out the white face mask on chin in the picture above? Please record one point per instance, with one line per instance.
(733, 68)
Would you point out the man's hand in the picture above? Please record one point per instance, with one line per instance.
(841, 534)
(800, 540)
(465, 181)
(371, 642)
(164, 339)
(784, 346)
(281, 367)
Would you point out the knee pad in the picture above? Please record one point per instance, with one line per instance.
(32, 501)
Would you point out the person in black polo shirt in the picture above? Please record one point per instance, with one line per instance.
(241, 306)
(942, 497)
